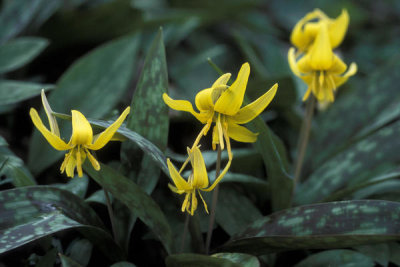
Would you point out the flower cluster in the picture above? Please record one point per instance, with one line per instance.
(315, 36)
(82, 139)
(219, 104)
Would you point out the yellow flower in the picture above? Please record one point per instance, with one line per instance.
(82, 139)
(221, 104)
(320, 68)
(306, 30)
(198, 180)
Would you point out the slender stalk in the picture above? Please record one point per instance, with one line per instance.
(185, 231)
(111, 214)
(214, 202)
(303, 140)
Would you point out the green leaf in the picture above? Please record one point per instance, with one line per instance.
(30, 213)
(80, 250)
(360, 162)
(378, 252)
(244, 260)
(123, 264)
(150, 119)
(93, 85)
(321, 226)
(68, 262)
(16, 15)
(18, 52)
(77, 186)
(337, 257)
(14, 168)
(235, 210)
(139, 203)
(197, 260)
(274, 156)
(12, 92)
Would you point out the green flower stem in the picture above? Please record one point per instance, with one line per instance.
(214, 203)
(185, 231)
(303, 140)
(111, 214)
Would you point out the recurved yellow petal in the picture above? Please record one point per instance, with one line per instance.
(108, 133)
(240, 133)
(321, 55)
(249, 112)
(200, 176)
(82, 133)
(222, 80)
(54, 140)
(232, 98)
(339, 80)
(292, 62)
(301, 35)
(338, 28)
(338, 66)
(93, 160)
(179, 182)
(219, 178)
(183, 105)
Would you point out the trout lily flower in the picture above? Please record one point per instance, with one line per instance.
(222, 104)
(305, 31)
(320, 68)
(82, 139)
(197, 181)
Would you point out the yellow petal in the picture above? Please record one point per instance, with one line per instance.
(185, 204)
(108, 133)
(338, 28)
(301, 35)
(230, 101)
(93, 160)
(54, 140)
(219, 178)
(70, 165)
(203, 100)
(338, 66)
(49, 112)
(82, 133)
(200, 176)
(292, 62)
(204, 202)
(253, 109)
(339, 80)
(303, 65)
(183, 105)
(194, 203)
(175, 190)
(179, 182)
(222, 80)
(321, 55)
(240, 133)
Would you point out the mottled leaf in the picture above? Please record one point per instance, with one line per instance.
(150, 119)
(326, 225)
(376, 105)
(93, 85)
(30, 213)
(18, 52)
(197, 260)
(380, 253)
(358, 163)
(139, 203)
(12, 92)
(337, 257)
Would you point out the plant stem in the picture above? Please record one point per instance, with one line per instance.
(111, 214)
(303, 140)
(214, 203)
(185, 231)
